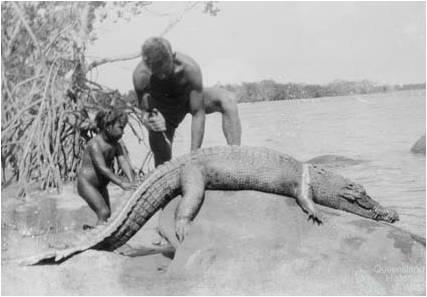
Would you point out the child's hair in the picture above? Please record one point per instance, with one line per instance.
(109, 116)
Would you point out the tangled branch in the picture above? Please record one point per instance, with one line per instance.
(209, 8)
(48, 103)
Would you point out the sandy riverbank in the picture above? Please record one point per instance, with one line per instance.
(241, 243)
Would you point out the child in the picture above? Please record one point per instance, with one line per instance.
(95, 172)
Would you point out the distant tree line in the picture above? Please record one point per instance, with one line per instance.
(269, 90)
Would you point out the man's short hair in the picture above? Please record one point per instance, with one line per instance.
(155, 50)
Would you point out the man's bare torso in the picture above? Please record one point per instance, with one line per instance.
(170, 96)
(185, 77)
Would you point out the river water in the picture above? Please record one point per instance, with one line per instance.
(377, 128)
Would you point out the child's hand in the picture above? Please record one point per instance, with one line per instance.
(129, 186)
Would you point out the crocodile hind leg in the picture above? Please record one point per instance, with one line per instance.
(193, 192)
(304, 196)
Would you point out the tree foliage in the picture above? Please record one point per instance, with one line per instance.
(46, 95)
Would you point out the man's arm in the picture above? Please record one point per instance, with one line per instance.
(124, 161)
(197, 110)
(141, 80)
(197, 107)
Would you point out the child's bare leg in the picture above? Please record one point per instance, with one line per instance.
(94, 199)
(106, 196)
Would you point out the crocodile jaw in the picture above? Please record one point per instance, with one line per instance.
(372, 210)
(335, 191)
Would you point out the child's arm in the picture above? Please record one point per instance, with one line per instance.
(124, 162)
(99, 163)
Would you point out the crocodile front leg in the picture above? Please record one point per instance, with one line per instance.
(304, 196)
(193, 193)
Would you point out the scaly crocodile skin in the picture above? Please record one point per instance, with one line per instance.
(226, 168)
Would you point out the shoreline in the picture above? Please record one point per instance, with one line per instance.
(315, 99)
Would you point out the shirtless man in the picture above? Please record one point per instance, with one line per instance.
(169, 85)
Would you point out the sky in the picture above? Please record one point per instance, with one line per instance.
(301, 42)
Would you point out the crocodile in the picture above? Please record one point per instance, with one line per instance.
(223, 168)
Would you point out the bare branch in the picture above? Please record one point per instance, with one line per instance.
(12, 143)
(127, 57)
(173, 23)
(84, 25)
(24, 82)
(30, 32)
(4, 80)
(136, 55)
(36, 123)
(102, 88)
(56, 37)
(40, 141)
(12, 39)
(8, 126)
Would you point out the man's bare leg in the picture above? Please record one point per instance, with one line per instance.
(221, 100)
(162, 153)
(231, 125)
(159, 239)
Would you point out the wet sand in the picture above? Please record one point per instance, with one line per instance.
(28, 226)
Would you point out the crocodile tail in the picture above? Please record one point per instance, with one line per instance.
(110, 236)
(51, 256)
(64, 245)
(34, 259)
(140, 206)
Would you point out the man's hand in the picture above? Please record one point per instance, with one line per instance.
(156, 122)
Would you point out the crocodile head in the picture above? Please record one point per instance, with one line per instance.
(335, 191)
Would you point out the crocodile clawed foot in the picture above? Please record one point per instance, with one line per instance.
(316, 218)
(182, 226)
